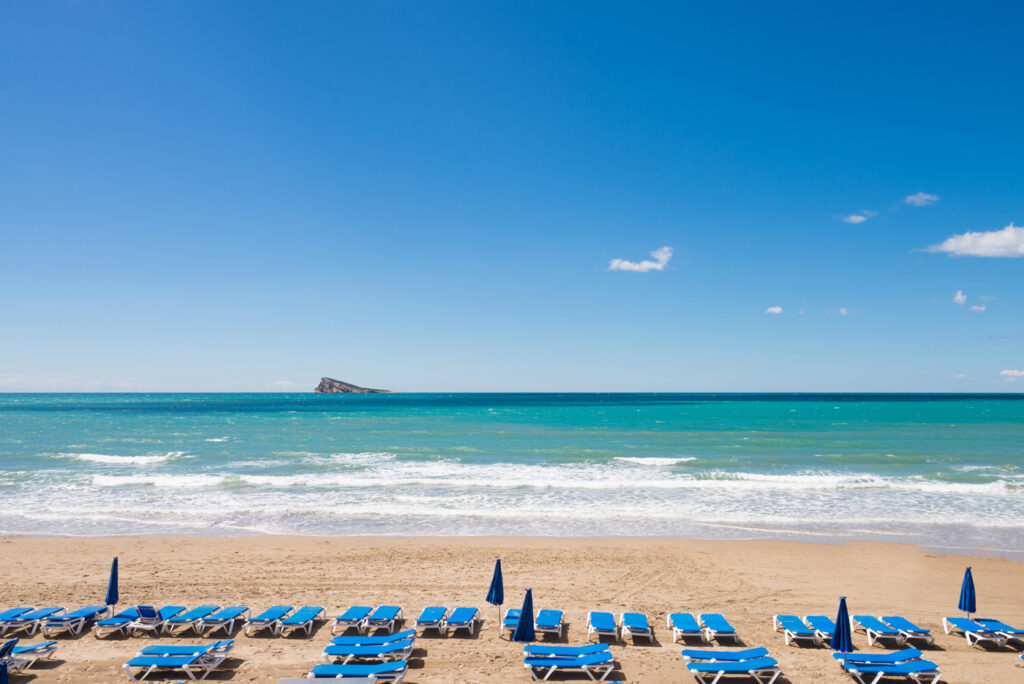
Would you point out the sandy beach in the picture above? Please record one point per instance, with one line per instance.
(748, 581)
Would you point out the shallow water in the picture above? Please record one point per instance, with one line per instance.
(941, 470)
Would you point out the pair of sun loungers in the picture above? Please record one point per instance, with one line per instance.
(438, 618)
(546, 622)
(280, 620)
(629, 625)
(982, 630)
(594, 660)
(709, 666)
(706, 626)
(31, 620)
(397, 646)
(195, 662)
(816, 629)
(894, 628)
(366, 618)
(393, 671)
(870, 668)
(19, 658)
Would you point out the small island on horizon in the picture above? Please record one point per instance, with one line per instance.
(332, 386)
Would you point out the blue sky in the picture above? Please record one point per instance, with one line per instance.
(429, 196)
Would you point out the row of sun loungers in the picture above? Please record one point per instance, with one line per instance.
(895, 628)
(869, 668)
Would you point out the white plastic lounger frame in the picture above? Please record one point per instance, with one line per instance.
(304, 618)
(611, 629)
(763, 670)
(73, 622)
(597, 666)
(434, 619)
(270, 619)
(223, 619)
(398, 650)
(190, 666)
(875, 629)
(873, 674)
(29, 655)
(636, 630)
(811, 635)
(555, 626)
(459, 620)
(908, 629)
(973, 632)
(684, 626)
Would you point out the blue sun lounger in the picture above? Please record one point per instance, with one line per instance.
(901, 656)
(550, 622)
(365, 640)
(432, 617)
(972, 631)
(463, 618)
(140, 667)
(920, 671)
(875, 629)
(115, 624)
(602, 624)
(355, 616)
(597, 666)
(302, 619)
(72, 622)
(188, 620)
(511, 620)
(396, 650)
(717, 627)
(152, 620)
(389, 672)
(544, 651)
(765, 670)
(706, 654)
(27, 622)
(822, 624)
(12, 613)
(684, 626)
(1001, 628)
(29, 654)
(207, 651)
(795, 629)
(908, 629)
(224, 618)
(270, 619)
(384, 617)
(635, 625)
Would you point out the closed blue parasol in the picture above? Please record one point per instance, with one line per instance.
(3, 673)
(841, 640)
(496, 594)
(524, 628)
(112, 596)
(968, 600)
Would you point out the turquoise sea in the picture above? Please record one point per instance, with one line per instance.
(941, 470)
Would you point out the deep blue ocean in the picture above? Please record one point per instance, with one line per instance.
(946, 471)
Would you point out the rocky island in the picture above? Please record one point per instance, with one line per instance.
(332, 386)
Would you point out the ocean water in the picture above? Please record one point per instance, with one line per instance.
(945, 471)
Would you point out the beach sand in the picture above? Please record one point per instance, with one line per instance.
(748, 581)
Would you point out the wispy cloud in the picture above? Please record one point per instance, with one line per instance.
(960, 298)
(283, 386)
(661, 256)
(773, 310)
(1011, 375)
(1008, 242)
(920, 199)
(861, 217)
(977, 307)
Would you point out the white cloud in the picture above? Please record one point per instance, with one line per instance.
(960, 376)
(920, 199)
(1008, 242)
(861, 217)
(977, 307)
(844, 312)
(283, 386)
(1011, 375)
(959, 298)
(773, 310)
(662, 255)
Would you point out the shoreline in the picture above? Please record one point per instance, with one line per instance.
(747, 581)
